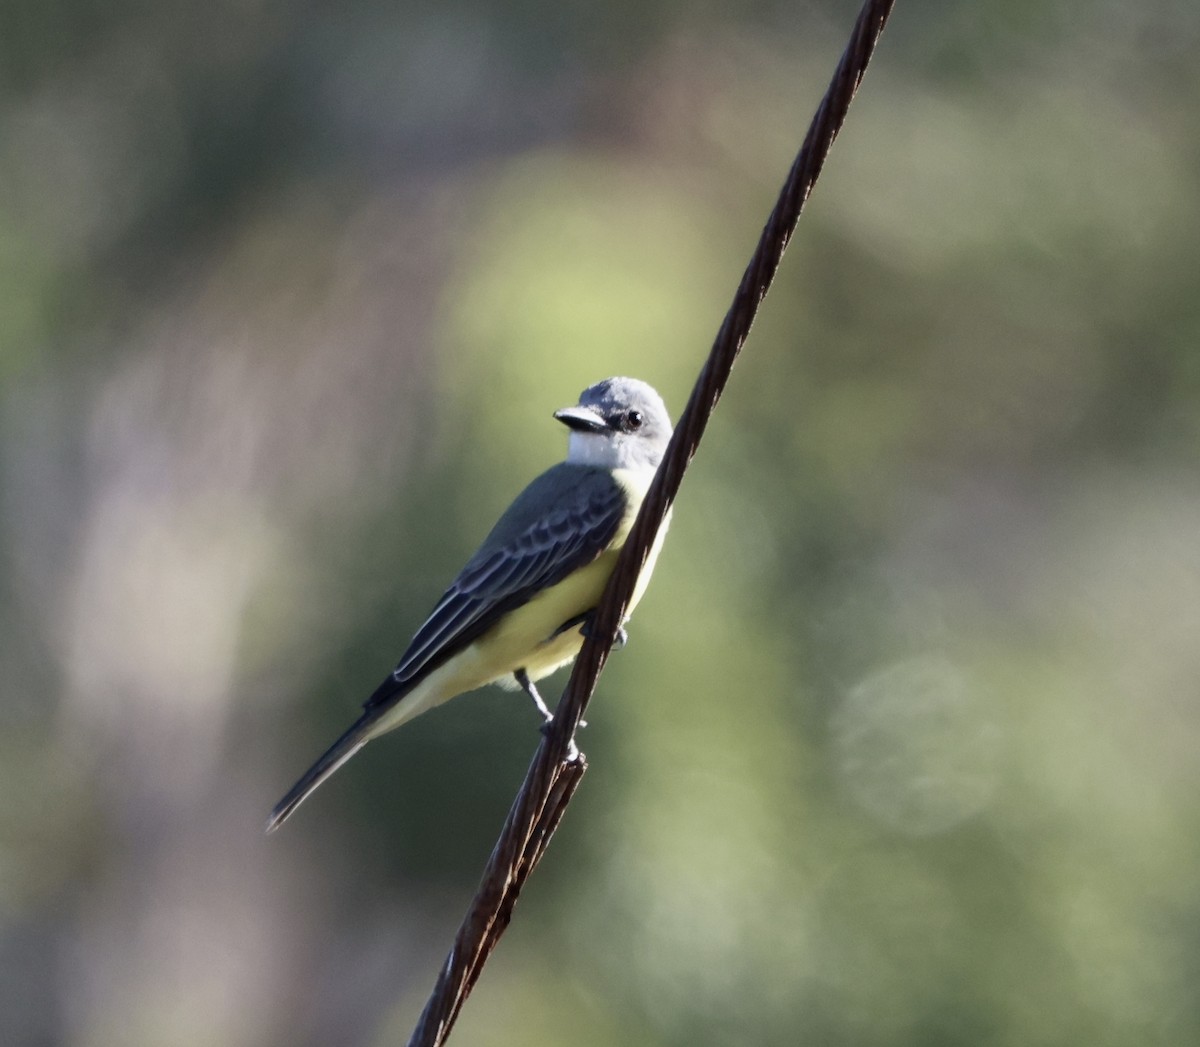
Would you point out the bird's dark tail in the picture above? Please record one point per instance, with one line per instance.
(336, 755)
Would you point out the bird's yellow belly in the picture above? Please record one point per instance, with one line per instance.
(528, 638)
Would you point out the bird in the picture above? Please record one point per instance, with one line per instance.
(521, 606)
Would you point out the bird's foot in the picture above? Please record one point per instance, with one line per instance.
(543, 710)
(572, 748)
(619, 641)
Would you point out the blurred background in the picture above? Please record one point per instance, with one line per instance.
(903, 748)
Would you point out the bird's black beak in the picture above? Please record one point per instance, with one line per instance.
(581, 419)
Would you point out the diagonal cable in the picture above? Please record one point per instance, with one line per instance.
(552, 778)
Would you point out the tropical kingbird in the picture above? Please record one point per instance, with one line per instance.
(519, 609)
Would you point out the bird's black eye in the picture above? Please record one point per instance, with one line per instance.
(633, 420)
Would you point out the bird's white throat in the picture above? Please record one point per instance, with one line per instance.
(603, 450)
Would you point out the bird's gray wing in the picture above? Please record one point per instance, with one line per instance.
(561, 522)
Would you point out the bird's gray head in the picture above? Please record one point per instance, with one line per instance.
(619, 423)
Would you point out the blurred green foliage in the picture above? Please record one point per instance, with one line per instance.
(903, 748)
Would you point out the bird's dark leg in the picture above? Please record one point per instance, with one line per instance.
(527, 686)
(571, 623)
(619, 641)
(584, 621)
(547, 716)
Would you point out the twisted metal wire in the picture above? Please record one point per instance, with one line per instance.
(552, 778)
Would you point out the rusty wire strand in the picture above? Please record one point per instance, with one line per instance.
(552, 779)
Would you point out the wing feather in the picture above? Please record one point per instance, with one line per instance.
(559, 524)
